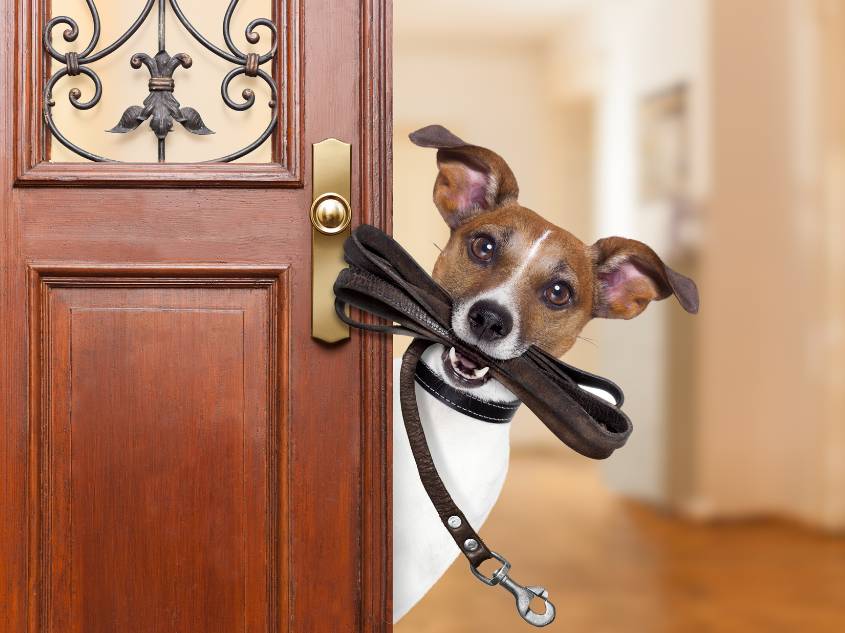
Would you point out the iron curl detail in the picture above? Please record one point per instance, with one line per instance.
(250, 97)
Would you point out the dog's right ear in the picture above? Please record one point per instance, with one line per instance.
(471, 179)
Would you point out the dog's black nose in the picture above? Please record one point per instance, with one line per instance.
(489, 321)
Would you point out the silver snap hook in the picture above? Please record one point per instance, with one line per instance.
(523, 595)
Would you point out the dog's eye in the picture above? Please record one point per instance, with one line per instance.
(482, 248)
(557, 294)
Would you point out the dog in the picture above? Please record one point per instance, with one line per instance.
(516, 280)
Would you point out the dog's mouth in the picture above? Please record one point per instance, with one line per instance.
(464, 370)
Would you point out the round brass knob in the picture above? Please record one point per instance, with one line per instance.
(330, 213)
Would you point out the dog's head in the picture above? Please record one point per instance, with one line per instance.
(518, 280)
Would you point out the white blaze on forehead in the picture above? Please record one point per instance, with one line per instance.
(532, 253)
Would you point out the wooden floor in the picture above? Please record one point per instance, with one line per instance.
(619, 567)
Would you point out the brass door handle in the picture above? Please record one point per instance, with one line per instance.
(330, 215)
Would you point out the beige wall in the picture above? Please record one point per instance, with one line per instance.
(771, 438)
(197, 87)
(829, 507)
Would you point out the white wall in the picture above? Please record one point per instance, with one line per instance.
(759, 428)
(618, 53)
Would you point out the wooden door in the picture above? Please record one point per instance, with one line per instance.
(177, 453)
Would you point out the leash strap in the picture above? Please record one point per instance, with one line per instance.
(466, 538)
(384, 280)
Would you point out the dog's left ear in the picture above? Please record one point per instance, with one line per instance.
(471, 179)
(629, 275)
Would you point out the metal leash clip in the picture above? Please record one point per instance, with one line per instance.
(523, 595)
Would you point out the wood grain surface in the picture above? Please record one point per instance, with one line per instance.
(176, 452)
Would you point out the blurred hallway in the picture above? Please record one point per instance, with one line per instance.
(713, 131)
(620, 567)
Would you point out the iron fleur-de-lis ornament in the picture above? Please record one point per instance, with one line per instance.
(161, 107)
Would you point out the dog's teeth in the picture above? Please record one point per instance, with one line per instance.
(458, 366)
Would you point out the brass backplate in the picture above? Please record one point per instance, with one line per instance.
(332, 175)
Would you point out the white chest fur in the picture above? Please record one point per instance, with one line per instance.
(472, 459)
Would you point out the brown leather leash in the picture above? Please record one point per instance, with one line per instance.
(384, 280)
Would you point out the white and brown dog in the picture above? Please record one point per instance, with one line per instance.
(516, 280)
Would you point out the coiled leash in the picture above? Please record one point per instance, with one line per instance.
(384, 280)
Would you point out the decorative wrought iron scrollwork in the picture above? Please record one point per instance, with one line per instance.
(160, 107)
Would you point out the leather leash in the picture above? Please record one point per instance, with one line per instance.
(384, 280)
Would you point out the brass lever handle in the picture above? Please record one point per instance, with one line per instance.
(330, 216)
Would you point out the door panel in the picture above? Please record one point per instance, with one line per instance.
(176, 452)
(158, 475)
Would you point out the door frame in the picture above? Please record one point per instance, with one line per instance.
(377, 349)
